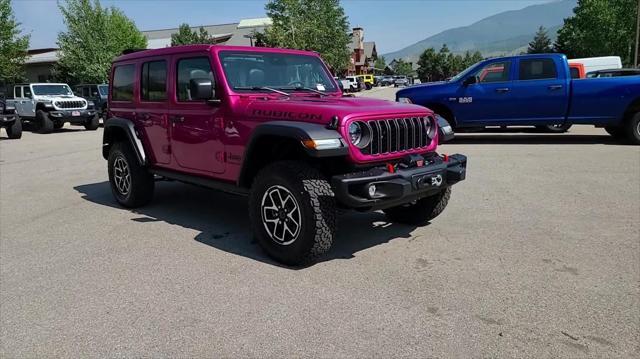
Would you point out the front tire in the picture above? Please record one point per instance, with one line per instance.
(43, 122)
(14, 131)
(293, 212)
(631, 129)
(92, 123)
(421, 211)
(131, 184)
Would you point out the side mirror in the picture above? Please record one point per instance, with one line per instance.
(201, 89)
(471, 80)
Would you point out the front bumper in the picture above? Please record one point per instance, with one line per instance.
(72, 116)
(406, 183)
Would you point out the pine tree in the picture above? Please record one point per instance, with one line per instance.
(541, 43)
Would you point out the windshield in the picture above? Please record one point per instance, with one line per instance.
(43, 90)
(463, 73)
(104, 90)
(255, 70)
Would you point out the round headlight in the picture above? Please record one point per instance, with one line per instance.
(355, 133)
(359, 134)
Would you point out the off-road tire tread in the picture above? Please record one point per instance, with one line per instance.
(43, 122)
(322, 201)
(92, 124)
(422, 211)
(142, 182)
(14, 131)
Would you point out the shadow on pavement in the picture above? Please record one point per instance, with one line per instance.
(528, 136)
(222, 220)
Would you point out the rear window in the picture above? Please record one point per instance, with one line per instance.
(575, 73)
(123, 83)
(537, 69)
(154, 81)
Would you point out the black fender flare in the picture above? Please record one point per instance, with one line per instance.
(115, 128)
(299, 132)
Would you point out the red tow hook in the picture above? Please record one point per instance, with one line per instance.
(391, 168)
(445, 157)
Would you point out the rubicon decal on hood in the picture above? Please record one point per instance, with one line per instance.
(286, 115)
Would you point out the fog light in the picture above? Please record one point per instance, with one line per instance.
(372, 190)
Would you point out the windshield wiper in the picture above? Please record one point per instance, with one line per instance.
(262, 88)
(305, 88)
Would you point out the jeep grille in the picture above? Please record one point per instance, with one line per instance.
(70, 104)
(398, 134)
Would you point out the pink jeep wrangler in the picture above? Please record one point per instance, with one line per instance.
(271, 124)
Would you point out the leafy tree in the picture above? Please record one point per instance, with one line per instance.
(541, 43)
(600, 28)
(317, 25)
(94, 36)
(401, 67)
(437, 66)
(427, 65)
(186, 36)
(13, 47)
(380, 63)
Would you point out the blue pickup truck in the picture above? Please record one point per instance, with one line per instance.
(532, 90)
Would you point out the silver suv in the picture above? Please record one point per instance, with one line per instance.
(49, 106)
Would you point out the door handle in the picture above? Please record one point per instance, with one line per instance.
(176, 119)
(555, 87)
(503, 90)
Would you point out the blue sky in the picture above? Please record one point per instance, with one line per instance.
(392, 24)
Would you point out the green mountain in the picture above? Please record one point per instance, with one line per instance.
(508, 32)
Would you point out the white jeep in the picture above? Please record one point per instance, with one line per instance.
(49, 106)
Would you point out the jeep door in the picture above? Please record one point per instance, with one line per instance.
(153, 106)
(196, 130)
(487, 100)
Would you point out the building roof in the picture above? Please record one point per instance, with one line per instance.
(370, 49)
(42, 56)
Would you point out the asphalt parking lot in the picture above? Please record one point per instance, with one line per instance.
(537, 255)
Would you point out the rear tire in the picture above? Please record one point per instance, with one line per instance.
(92, 123)
(293, 212)
(43, 122)
(631, 129)
(561, 128)
(131, 184)
(15, 130)
(422, 211)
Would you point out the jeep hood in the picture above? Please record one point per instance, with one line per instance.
(321, 110)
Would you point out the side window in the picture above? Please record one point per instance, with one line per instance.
(494, 72)
(575, 73)
(537, 69)
(85, 92)
(153, 82)
(123, 83)
(26, 91)
(191, 68)
(17, 91)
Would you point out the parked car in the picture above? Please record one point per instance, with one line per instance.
(401, 81)
(367, 80)
(289, 140)
(355, 83)
(10, 120)
(51, 105)
(533, 90)
(614, 73)
(387, 81)
(591, 64)
(96, 93)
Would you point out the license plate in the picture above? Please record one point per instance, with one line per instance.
(75, 113)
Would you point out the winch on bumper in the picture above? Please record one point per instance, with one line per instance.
(77, 117)
(396, 184)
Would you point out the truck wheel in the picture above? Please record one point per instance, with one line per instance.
(561, 128)
(58, 125)
(131, 184)
(293, 212)
(92, 123)
(43, 122)
(15, 130)
(422, 211)
(632, 129)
